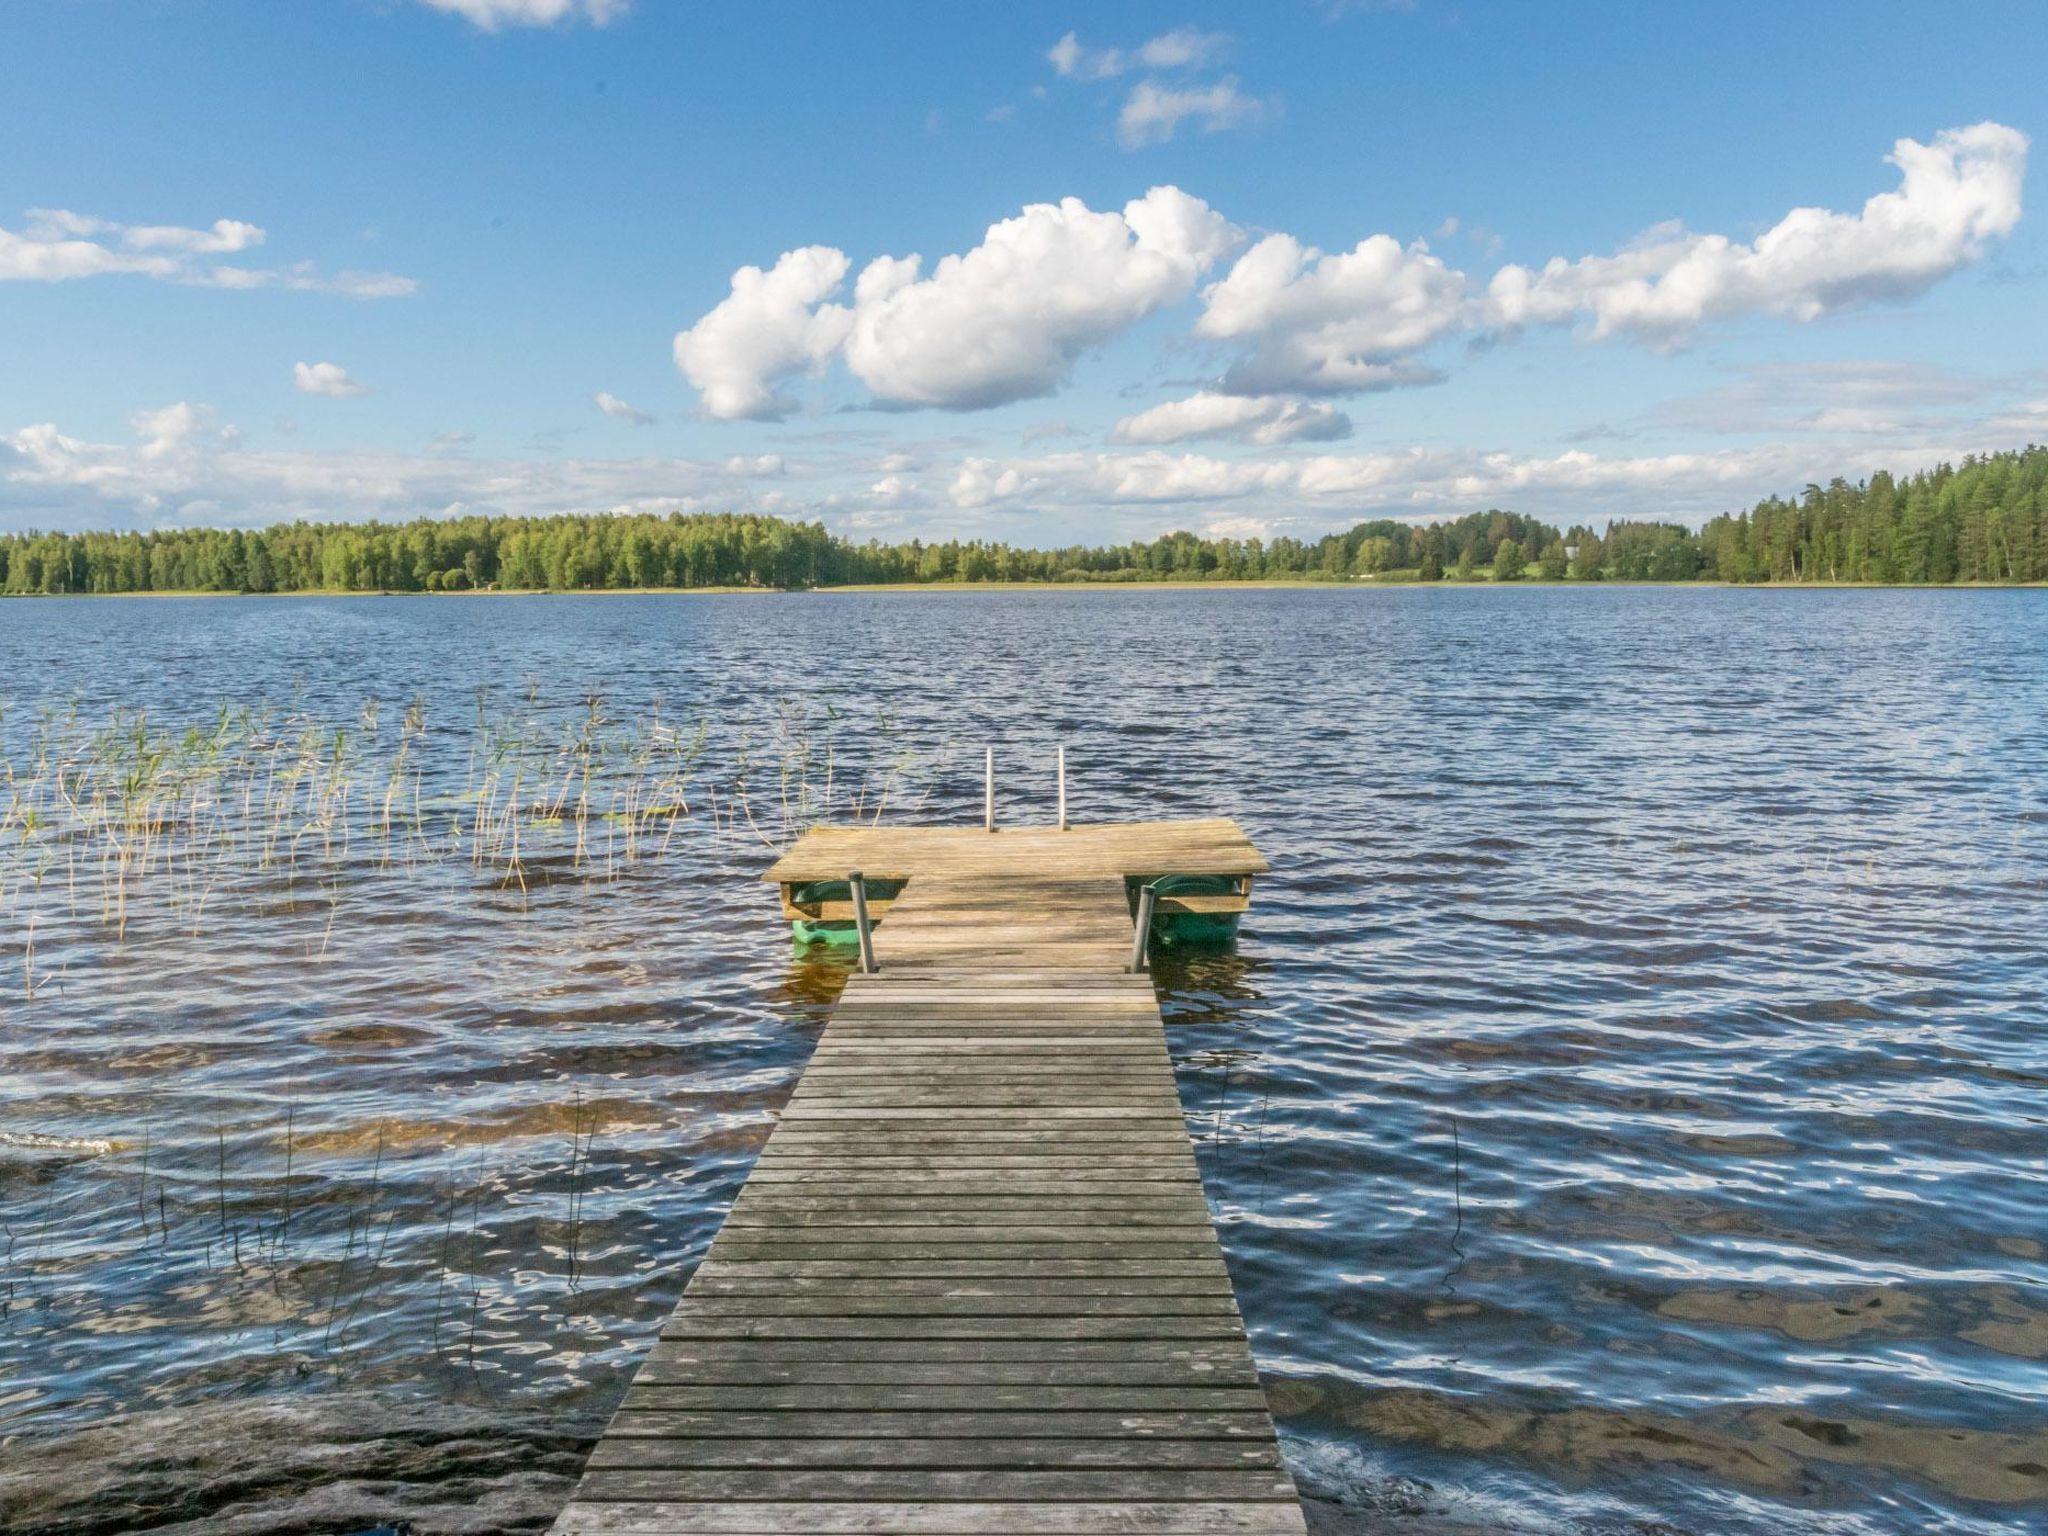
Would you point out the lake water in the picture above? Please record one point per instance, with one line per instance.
(1626, 1108)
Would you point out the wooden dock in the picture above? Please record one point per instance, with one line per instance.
(971, 1284)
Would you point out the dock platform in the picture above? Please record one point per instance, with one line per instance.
(971, 1284)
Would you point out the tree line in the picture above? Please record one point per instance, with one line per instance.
(1984, 520)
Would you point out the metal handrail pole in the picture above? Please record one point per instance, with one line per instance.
(859, 888)
(1141, 935)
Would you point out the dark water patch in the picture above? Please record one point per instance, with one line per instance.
(292, 1463)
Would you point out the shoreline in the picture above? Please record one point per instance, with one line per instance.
(876, 588)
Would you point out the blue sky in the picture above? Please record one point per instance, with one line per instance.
(1247, 269)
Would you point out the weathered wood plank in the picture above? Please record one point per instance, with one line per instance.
(724, 1485)
(646, 1452)
(853, 1373)
(951, 1424)
(998, 1305)
(973, 1284)
(872, 1397)
(738, 1280)
(687, 1323)
(597, 1517)
(1020, 1267)
(1210, 1350)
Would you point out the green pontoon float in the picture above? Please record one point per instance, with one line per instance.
(821, 911)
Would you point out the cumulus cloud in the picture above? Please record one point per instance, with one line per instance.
(1001, 322)
(42, 468)
(57, 245)
(894, 491)
(772, 325)
(493, 15)
(619, 410)
(1006, 320)
(1266, 420)
(1955, 196)
(1153, 113)
(329, 379)
(1335, 322)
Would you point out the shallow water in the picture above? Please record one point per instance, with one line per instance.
(1627, 1102)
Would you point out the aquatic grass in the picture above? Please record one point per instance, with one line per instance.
(129, 825)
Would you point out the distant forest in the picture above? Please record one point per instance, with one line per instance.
(1985, 520)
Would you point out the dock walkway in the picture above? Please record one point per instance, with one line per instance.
(971, 1284)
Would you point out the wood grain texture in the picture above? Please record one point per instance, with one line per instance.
(972, 1284)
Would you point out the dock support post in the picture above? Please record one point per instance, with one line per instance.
(1063, 788)
(859, 889)
(988, 793)
(1142, 934)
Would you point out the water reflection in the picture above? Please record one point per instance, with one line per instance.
(1622, 1110)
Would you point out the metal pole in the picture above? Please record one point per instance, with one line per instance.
(859, 888)
(988, 793)
(1063, 788)
(1142, 934)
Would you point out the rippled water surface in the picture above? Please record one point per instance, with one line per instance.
(1627, 1102)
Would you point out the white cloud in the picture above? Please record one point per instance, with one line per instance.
(1332, 323)
(1153, 113)
(223, 237)
(769, 327)
(1183, 48)
(1955, 196)
(329, 379)
(619, 410)
(41, 468)
(28, 259)
(1839, 397)
(57, 245)
(180, 466)
(2027, 422)
(894, 491)
(167, 431)
(491, 15)
(1073, 62)
(1001, 322)
(349, 283)
(1266, 420)
(1006, 320)
(1419, 482)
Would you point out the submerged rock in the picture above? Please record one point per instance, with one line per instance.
(295, 1466)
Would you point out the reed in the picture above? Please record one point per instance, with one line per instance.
(129, 827)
